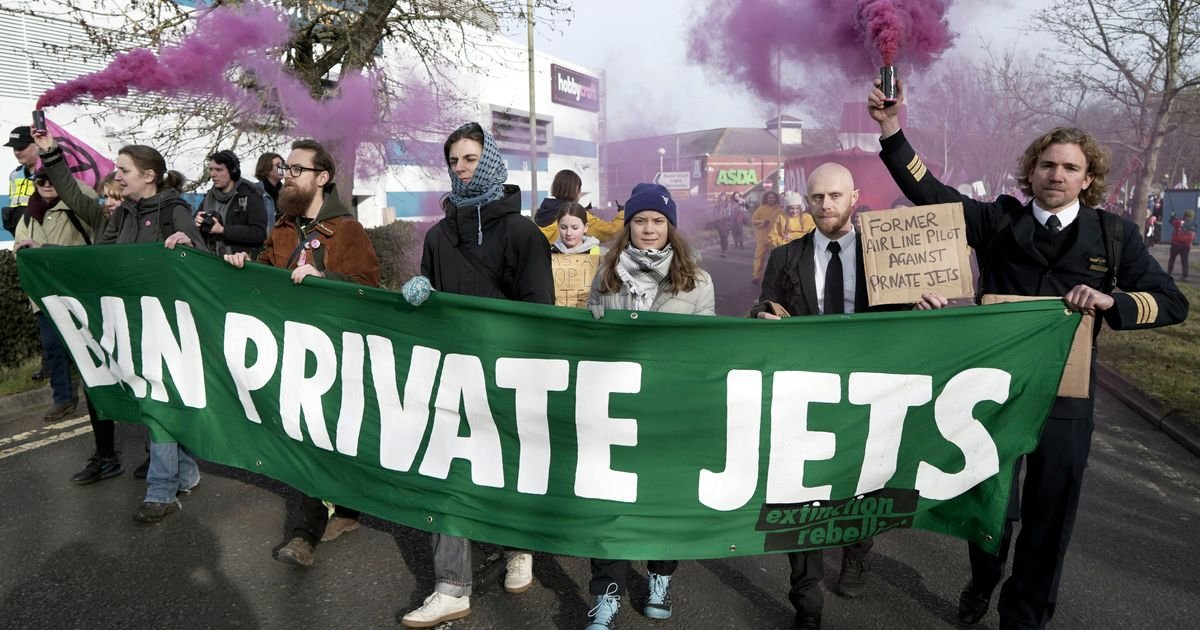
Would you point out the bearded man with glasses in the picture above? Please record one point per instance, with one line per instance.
(316, 235)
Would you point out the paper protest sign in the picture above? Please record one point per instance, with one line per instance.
(910, 251)
(573, 278)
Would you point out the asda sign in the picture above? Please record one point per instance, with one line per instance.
(737, 177)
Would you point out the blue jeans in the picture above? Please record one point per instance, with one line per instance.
(56, 361)
(171, 469)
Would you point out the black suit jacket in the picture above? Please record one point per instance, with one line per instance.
(1001, 232)
(790, 278)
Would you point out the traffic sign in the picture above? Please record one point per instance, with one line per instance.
(674, 180)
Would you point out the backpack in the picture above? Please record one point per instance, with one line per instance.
(166, 218)
(1185, 234)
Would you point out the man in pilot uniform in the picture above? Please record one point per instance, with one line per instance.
(1059, 245)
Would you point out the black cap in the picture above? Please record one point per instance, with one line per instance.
(20, 138)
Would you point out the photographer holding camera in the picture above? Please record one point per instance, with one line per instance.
(232, 216)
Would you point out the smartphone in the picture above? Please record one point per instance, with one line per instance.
(39, 120)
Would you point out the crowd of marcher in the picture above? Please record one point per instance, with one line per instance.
(808, 262)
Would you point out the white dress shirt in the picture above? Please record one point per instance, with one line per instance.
(1066, 216)
(849, 243)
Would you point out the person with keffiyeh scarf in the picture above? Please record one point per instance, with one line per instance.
(486, 248)
(650, 268)
(484, 227)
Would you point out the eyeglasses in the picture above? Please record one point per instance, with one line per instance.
(41, 181)
(295, 170)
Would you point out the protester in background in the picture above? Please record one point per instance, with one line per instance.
(573, 227)
(316, 236)
(822, 273)
(153, 212)
(793, 223)
(269, 181)
(483, 247)
(20, 180)
(1182, 238)
(721, 221)
(110, 195)
(1151, 231)
(91, 217)
(763, 220)
(20, 189)
(232, 215)
(737, 220)
(1045, 247)
(574, 239)
(49, 220)
(567, 187)
(651, 267)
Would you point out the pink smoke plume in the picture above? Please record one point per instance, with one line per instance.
(741, 38)
(197, 65)
(228, 39)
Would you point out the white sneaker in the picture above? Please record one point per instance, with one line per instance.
(519, 574)
(438, 608)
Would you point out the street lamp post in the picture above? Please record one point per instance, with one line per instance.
(778, 126)
(661, 153)
(533, 165)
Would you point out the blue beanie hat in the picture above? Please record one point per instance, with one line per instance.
(651, 197)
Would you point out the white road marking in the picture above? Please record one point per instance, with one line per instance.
(29, 446)
(49, 428)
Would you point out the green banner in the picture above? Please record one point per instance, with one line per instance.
(641, 435)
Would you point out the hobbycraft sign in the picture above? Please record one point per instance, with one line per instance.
(910, 251)
(638, 435)
(574, 89)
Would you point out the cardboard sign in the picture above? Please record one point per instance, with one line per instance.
(910, 251)
(573, 278)
(1077, 375)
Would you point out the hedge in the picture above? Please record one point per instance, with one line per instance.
(21, 339)
(398, 246)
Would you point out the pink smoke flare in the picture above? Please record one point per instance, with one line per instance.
(197, 65)
(741, 39)
(230, 39)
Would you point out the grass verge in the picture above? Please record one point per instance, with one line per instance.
(1162, 362)
(18, 379)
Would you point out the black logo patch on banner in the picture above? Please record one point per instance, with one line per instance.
(822, 524)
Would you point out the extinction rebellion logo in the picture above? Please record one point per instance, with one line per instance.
(821, 524)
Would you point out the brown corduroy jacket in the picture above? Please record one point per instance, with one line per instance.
(335, 243)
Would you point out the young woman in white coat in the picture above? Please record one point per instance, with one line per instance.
(651, 267)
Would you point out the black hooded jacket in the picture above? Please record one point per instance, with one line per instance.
(547, 212)
(512, 248)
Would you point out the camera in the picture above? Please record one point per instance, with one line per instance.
(208, 219)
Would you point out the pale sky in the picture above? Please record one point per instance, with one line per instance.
(653, 88)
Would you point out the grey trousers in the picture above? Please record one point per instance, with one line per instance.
(452, 564)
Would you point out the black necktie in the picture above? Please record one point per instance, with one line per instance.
(1053, 224)
(834, 291)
